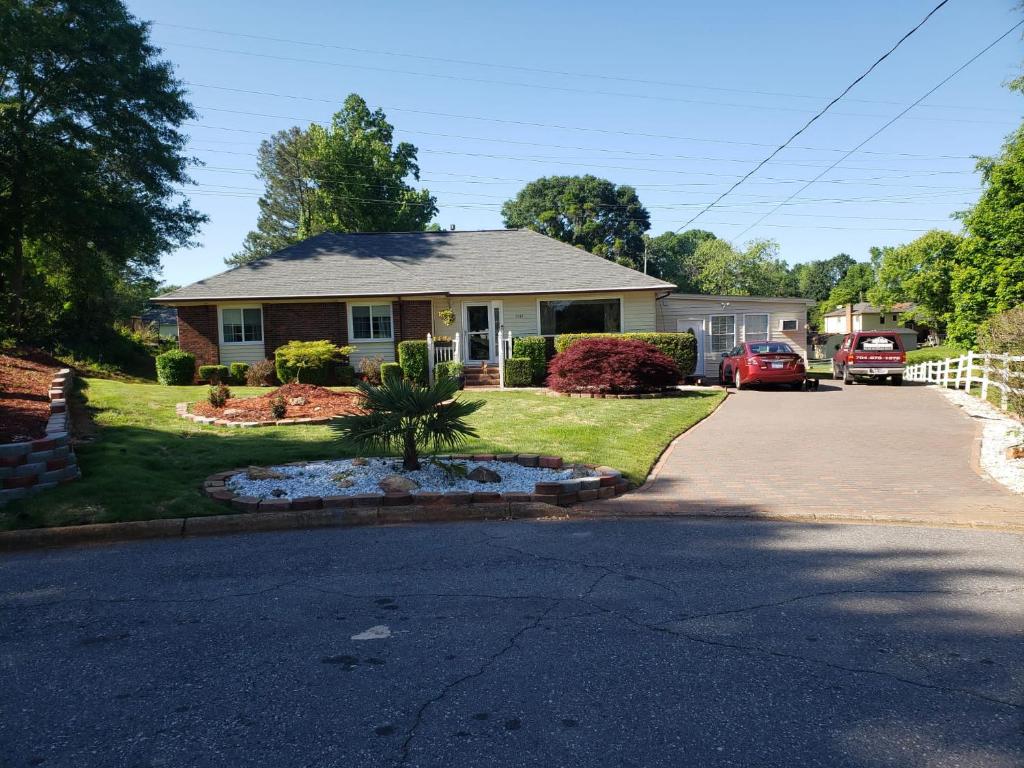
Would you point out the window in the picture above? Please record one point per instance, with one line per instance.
(755, 327)
(881, 319)
(723, 332)
(371, 322)
(771, 348)
(241, 324)
(580, 316)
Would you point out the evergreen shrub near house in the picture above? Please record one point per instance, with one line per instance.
(534, 348)
(612, 366)
(218, 395)
(214, 374)
(278, 407)
(390, 372)
(175, 367)
(260, 373)
(681, 347)
(449, 369)
(239, 372)
(519, 372)
(412, 356)
(313, 362)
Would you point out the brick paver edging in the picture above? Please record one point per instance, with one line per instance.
(37, 465)
(601, 483)
(609, 396)
(182, 410)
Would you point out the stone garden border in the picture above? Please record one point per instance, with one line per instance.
(182, 410)
(36, 465)
(604, 483)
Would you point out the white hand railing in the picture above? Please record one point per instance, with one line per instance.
(440, 353)
(963, 372)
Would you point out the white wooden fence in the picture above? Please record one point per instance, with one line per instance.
(440, 353)
(963, 372)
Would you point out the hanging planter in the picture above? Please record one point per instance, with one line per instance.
(447, 316)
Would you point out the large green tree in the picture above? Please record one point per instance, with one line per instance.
(671, 256)
(586, 211)
(91, 159)
(920, 272)
(349, 176)
(816, 279)
(755, 271)
(988, 276)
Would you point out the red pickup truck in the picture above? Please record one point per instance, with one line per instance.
(876, 355)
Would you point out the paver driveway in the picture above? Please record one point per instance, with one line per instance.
(859, 449)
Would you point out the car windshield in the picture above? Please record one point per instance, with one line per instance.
(877, 343)
(770, 348)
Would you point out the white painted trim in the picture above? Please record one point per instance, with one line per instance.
(711, 334)
(351, 333)
(492, 332)
(220, 326)
(622, 314)
(768, 326)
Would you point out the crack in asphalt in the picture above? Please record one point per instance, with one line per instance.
(410, 734)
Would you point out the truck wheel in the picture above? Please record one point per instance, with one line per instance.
(738, 380)
(847, 378)
(897, 380)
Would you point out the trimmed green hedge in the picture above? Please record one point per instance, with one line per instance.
(390, 372)
(215, 374)
(681, 347)
(175, 367)
(519, 372)
(412, 356)
(533, 348)
(238, 372)
(449, 369)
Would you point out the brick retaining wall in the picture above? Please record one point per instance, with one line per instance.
(36, 465)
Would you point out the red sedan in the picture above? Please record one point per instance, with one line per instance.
(762, 362)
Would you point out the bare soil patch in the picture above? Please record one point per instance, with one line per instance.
(24, 396)
(302, 401)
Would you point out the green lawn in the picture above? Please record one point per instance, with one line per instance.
(145, 462)
(933, 353)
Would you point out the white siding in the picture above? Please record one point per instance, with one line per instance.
(249, 352)
(385, 350)
(681, 307)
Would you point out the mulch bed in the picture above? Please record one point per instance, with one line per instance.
(319, 403)
(24, 399)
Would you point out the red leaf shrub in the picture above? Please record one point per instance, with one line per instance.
(612, 366)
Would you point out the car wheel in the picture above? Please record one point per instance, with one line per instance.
(738, 380)
(896, 381)
(847, 378)
(797, 385)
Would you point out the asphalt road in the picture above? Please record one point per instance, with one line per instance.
(641, 643)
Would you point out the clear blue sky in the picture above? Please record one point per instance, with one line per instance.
(683, 96)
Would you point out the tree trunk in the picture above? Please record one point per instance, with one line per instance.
(410, 456)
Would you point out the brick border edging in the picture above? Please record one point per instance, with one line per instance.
(182, 410)
(37, 465)
(605, 483)
(609, 396)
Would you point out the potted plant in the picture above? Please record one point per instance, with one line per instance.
(447, 316)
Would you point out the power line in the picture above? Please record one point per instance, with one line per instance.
(810, 122)
(930, 91)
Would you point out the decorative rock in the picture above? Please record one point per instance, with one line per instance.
(343, 482)
(397, 484)
(296, 401)
(232, 411)
(1015, 452)
(484, 475)
(262, 473)
(278, 493)
(359, 462)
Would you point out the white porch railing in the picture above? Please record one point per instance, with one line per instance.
(440, 353)
(504, 353)
(963, 372)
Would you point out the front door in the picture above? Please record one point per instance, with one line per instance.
(695, 325)
(479, 339)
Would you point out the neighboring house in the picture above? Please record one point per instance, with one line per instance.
(375, 290)
(164, 319)
(722, 322)
(865, 317)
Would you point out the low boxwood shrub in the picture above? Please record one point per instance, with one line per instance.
(310, 362)
(412, 356)
(449, 369)
(346, 375)
(175, 367)
(260, 373)
(519, 372)
(218, 395)
(214, 374)
(681, 347)
(390, 372)
(238, 372)
(534, 348)
(612, 366)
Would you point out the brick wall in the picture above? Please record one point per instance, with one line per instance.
(304, 322)
(412, 320)
(197, 332)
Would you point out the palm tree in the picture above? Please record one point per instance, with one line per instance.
(402, 415)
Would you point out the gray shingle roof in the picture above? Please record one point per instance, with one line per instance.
(507, 261)
(862, 307)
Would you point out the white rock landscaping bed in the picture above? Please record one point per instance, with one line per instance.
(999, 433)
(345, 478)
